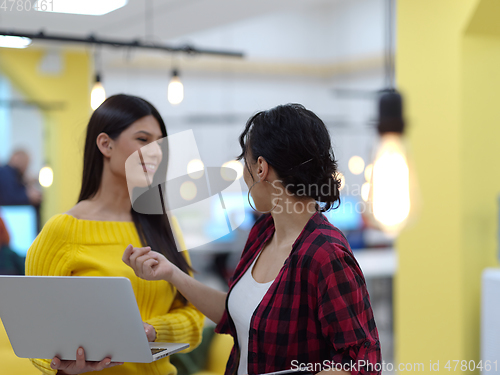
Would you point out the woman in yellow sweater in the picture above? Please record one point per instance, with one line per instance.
(89, 239)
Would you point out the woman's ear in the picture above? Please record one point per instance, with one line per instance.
(105, 144)
(262, 168)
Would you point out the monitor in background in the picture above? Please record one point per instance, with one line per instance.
(217, 223)
(21, 222)
(348, 216)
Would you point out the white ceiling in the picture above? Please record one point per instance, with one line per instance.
(170, 18)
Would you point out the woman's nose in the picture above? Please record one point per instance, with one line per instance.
(153, 150)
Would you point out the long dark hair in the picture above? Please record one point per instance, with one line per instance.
(112, 117)
(296, 143)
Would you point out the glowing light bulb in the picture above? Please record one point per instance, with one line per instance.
(98, 94)
(390, 184)
(188, 190)
(175, 89)
(195, 169)
(233, 164)
(46, 177)
(393, 191)
(356, 165)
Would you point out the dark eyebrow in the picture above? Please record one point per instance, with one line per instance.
(147, 133)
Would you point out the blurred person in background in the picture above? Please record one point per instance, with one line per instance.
(88, 240)
(10, 262)
(15, 187)
(298, 296)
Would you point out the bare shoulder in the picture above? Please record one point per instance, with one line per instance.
(97, 211)
(82, 210)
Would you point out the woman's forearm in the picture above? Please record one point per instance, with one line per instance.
(209, 301)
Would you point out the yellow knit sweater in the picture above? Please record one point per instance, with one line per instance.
(67, 246)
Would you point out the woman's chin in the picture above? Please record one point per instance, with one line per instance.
(138, 177)
(140, 181)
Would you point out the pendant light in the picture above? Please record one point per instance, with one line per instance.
(390, 179)
(175, 89)
(98, 94)
(390, 187)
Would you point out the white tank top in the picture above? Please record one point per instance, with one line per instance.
(244, 298)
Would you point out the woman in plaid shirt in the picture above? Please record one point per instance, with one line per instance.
(298, 298)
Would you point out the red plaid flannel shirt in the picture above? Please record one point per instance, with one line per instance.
(317, 311)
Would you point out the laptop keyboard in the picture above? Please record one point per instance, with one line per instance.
(154, 351)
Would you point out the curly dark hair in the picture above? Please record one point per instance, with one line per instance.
(296, 143)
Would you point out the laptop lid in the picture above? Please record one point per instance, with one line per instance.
(46, 316)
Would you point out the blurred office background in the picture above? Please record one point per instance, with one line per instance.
(330, 56)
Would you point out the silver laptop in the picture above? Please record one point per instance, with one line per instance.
(47, 316)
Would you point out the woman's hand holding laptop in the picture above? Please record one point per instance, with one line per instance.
(80, 365)
(150, 331)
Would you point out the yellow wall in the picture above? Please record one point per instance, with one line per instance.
(64, 129)
(447, 62)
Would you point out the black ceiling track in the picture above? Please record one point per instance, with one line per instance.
(94, 40)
